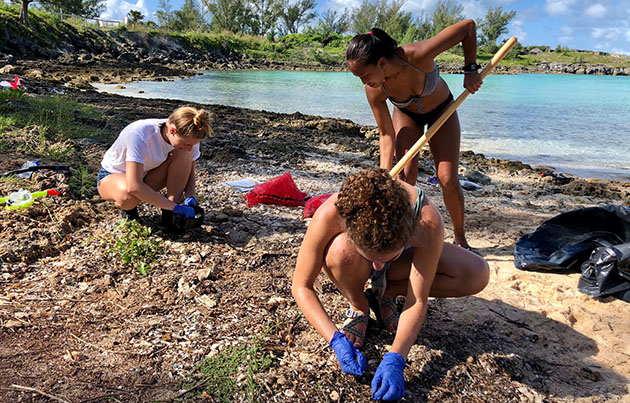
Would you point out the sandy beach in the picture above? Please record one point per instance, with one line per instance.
(79, 325)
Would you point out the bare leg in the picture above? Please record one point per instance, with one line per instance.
(445, 150)
(349, 271)
(407, 133)
(172, 173)
(459, 273)
(114, 188)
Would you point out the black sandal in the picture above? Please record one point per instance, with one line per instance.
(377, 303)
(355, 318)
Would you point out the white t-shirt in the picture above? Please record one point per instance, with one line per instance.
(141, 142)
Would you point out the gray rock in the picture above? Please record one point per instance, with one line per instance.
(127, 57)
(477, 177)
(7, 69)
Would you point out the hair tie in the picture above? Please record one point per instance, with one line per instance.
(370, 33)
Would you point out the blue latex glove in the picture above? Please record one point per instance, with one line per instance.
(191, 201)
(389, 381)
(184, 211)
(350, 359)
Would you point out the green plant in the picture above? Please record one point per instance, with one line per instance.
(216, 375)
(64, 116)
(579, 60)
(135, 246)
(82, 182)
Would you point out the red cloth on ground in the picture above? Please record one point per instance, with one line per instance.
(279, 190)
(313, 204)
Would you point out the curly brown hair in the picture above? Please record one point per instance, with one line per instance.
(376, 210)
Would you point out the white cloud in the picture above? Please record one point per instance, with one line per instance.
(628, 36)
(118, 9)
(474, 10)
(620, 51)
(340, 5)
(596, 11)
(566, 30)
(566, 40)
(609, 34)
(518, 31)
(597, 33)
(559, 7)
(418, 7)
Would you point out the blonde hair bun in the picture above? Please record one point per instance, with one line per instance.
(191, 122)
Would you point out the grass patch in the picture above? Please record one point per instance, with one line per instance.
(305, 48)
(58, 113)
(82, 182)
(221, 376)
(43, 126)
(135, 246)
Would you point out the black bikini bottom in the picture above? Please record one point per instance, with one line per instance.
(428, 118)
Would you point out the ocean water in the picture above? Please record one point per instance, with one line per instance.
(573, 124)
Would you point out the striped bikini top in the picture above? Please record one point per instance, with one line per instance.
(430, 83)
(417, 205)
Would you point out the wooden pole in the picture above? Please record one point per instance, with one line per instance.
(451, 108)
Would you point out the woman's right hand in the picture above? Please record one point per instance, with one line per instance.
(350, 359)
(472, 82)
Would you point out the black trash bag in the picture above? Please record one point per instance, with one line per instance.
(607, 272)
(564, 242)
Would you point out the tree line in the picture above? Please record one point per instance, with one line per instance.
(274, 18)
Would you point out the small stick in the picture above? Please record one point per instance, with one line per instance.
(450, 110)
(199, 384)
(29, 389)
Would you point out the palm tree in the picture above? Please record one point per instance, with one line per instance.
(134, 17)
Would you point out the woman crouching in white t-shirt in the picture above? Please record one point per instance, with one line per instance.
(152, 154)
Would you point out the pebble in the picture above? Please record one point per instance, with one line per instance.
(203, 274)
(289, 393)
(12, 324)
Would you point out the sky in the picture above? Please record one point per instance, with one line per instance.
(602, 25)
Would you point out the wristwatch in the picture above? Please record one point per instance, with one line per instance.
(471, 67)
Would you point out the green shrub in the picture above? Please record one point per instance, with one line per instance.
(216, 375)
(135, 246)
(82, 182)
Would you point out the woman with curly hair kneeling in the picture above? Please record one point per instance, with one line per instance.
(386, 230)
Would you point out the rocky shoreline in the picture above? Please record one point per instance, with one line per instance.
(142, 55)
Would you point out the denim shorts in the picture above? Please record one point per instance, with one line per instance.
(102, 173)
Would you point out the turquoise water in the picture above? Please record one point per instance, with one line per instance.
(574, 124)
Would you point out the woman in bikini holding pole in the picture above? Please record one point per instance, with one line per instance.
(408, 76)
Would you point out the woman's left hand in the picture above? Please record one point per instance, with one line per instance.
(191, 201)
(389, 381)
(472, 82)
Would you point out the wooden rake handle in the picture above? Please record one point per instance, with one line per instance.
(451, 108)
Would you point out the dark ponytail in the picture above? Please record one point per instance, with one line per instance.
(366, 49)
